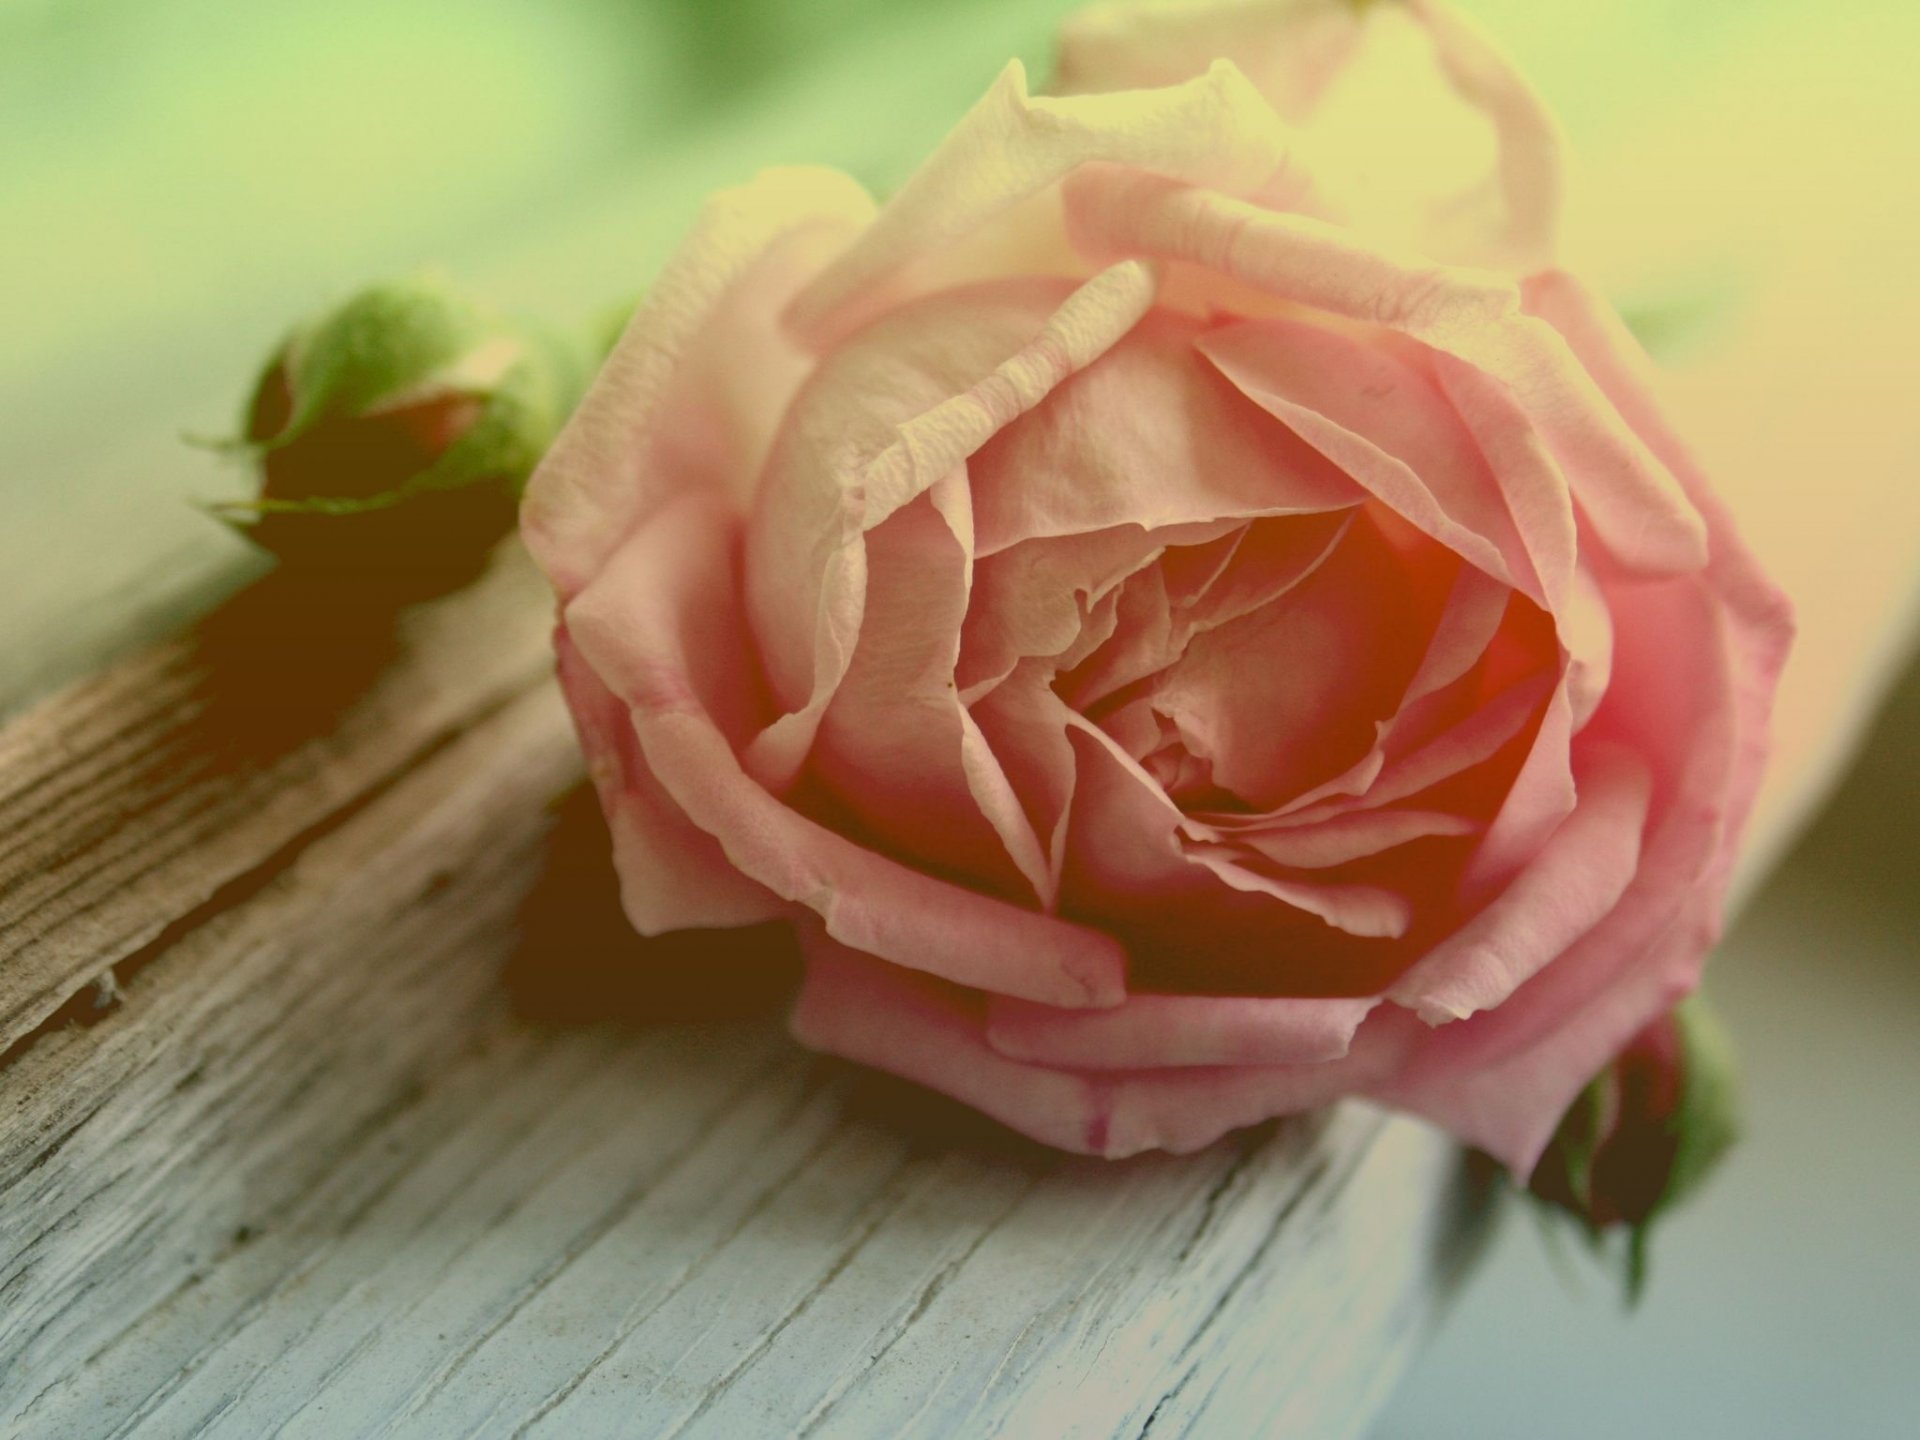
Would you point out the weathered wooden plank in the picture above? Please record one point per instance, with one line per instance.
(131, 799)
(324, 1172)
(246, 1056)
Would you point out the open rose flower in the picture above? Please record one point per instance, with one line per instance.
(1195, 615)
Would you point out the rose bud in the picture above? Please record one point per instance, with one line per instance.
(1644, 1135)
(1192, 619)
(393, 435)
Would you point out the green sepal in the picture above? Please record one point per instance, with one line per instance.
(1612, 1211)
(1707, 1123)
(1567, 1167)
(386, 344)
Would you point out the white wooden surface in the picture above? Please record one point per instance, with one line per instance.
(325, 1169)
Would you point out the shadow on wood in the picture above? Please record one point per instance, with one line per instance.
(281, 663)
(579, 959)
(271, 672)
(134, 805)
(579, 962)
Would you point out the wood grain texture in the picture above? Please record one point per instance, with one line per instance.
(129, 800)
(341, 1163)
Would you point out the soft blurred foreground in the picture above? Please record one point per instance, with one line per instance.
(179, 180)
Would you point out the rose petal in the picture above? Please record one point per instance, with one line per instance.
(1034, 599)
(1122, 838)
(1367, 911)
(1275, 554)
(935, 1035)
(1680, 651)
(1129, 865)
(1339, 839)
(1760, 618)
(1535, 489)
(1291, 693)
(1012, 146)
(1567, 889)
(1330, 66)
(1290, 50)
(895, 746)
(707, 313)
(1151, 1031)
(1586, 629)
(1540, 799)
(1024, 724)
(657, 657)
(1502, 1079)
(1526, 188)
(1459, 748)
(1153, 437)
(1384, 423)
(1638, 509)
(1190, 570)
(1475, 608)
(1143, 642)
(673, 875)
(879, 424)
(1608, 987)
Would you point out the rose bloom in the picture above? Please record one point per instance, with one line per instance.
(1188, 606)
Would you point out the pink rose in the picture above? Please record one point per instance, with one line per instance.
(1196, 617)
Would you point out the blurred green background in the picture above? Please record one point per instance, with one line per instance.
(181, 178)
